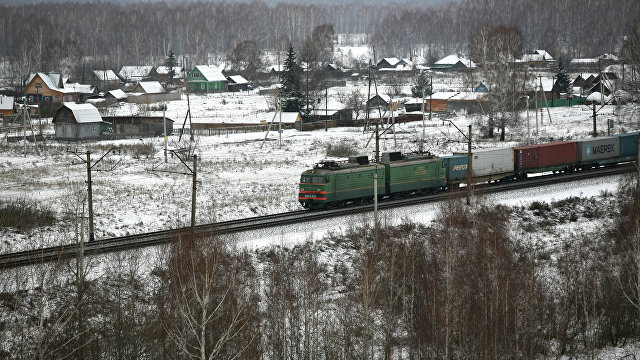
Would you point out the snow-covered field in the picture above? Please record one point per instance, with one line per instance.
(238, 175)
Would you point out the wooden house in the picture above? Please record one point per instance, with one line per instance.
(237, 83)
(130, 73)
(390, 62)
(78, 122)
(138, 126)
(438, 101)
(453, 63)
(47, 88)
(161, 73)
(205, 78)
(117, 95)
(379, 100)
(6, 106)
(148, 87)
(536, 59)
(105, 79)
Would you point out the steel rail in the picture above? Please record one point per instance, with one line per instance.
(101, 246)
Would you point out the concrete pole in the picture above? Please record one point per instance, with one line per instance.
(423, 125)
(469, 168)
(595, 131)
(375, 197)
(164, 123)
(528, 124)
(193, 191)
(90, 197)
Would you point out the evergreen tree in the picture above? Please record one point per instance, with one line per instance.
(290, 93)
(564, 81)
(421, 83)
(170, 63)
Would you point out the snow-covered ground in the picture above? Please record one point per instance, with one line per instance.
(238, 175)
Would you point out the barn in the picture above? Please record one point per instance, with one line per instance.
(78, 122)
(138, 126)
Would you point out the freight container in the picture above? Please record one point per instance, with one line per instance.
(494, 163)
(545, 157)
(598, 150)
(410, 173)
(456, 166)
(629, 145)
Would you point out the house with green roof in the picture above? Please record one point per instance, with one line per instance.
(206, 78)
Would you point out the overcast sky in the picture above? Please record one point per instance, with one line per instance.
(272, 2)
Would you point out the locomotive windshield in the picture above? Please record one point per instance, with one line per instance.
(312, 179)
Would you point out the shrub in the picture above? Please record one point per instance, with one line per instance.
(24, 215)
(342, 149)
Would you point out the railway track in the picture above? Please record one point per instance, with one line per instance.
(62, 252)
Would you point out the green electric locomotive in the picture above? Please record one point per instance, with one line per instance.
(334, 183)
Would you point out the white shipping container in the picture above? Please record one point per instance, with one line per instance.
(490, 162)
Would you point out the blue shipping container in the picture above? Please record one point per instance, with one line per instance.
(629, 144)
(456, 166)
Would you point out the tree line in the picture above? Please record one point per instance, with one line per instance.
(469, 285)
(72, 36)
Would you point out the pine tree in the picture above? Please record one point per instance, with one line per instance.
(421, 83)
(564, 81)
(290, 92)
(170, 63)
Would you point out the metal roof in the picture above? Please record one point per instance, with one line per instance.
(129, 72)
(238, 79)
(151, 87)
(211, 73)
(84, 113)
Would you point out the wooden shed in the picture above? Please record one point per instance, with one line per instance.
(138, 126)
(6, 106)
(78, 122)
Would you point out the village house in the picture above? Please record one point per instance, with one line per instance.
(78, 122)
(131, 73)
(105, 79)
(536, 59)
(48, 88)
(161, 73)
(117, 95)
(237, 83)
(148, 87)
(453, 63)
(206, 78)
(593, 64)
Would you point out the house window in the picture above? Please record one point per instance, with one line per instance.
(94, 128)
(57, 97)
(202, 86)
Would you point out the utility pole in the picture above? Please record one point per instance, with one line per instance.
(89, 187)
(528, 124)
(423, 125)
(90, 197)
(595, 131)
(469, 169)
(193, 191)
(536, 101)
(326, 106)
(164, 123)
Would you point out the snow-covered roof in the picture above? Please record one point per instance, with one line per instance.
(606, 56)
(454, 59)
(287, 117)
(537, 55)
(80, 88)
(444, 95)
(468, 96)
(391, 60)
(238, 79)
(211, 72)
(6, 102)
(594, 97)
(129, 72)
(151, 87)
(384, 97)
(584, 61)
(106, 75)
(118, 94)
(45, 78)
(164, 70)
(414, 101)
(84, 113)
(276, 68)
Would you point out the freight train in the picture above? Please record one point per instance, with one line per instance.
(336, 183)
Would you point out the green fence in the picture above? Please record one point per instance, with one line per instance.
(561, 102)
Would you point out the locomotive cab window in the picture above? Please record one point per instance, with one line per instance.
(316, 179)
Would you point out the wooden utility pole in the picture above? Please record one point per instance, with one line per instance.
(469, 169)
(164, 123)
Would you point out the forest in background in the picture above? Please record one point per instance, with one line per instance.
(50, 36)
